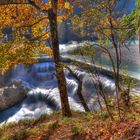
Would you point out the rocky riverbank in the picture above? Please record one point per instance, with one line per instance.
(12, 94)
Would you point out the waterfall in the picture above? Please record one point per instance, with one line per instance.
(43, 97)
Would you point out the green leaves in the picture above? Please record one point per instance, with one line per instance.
(132, 21)
(138, 3)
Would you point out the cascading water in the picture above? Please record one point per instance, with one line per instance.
(43, 97)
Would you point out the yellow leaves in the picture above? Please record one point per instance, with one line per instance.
(45, 36)
(40, 32)
(95, 19)
(45, 50)
(5, 67)
(61, 18)
(19, 51)
(37, 30)
(30, 31)
(24, 14)
(67, 5)
(12, 15)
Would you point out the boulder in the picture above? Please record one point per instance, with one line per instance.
(14, 93)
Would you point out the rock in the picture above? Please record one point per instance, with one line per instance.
(14, 93)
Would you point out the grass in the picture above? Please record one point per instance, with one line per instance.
(82, 126)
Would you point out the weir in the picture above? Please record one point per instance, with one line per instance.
(43, 96)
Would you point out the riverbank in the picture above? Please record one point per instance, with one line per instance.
(82, 126)
(130, 59)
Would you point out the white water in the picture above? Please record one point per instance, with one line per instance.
(43, 97)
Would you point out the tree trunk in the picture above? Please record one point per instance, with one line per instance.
(79, 90)
(52, 15)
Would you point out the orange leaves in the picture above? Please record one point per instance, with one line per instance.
(47, 5)
(62, 18)
(30, 30)
(16, 14)
(65, 5)
(45, 36)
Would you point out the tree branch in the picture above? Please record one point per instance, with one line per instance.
(30, 2)
(37, 7)
(11, 3)
(30, 25)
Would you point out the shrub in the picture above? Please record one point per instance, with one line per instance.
(33, 132)
(52, 125)
(26, 122)
(103, 114)
(70, 120)
(20, 135)
(76, 129)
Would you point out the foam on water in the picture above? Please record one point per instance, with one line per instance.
(43, 97)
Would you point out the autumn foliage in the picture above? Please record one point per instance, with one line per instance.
(29, 22)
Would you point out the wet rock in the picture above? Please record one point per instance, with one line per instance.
(14, 93)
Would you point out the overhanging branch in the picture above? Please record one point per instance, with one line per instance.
(37, 7)
(29, 2)
(30, 25)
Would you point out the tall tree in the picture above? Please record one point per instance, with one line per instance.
(52, 15)
(99, 19)
(33, 22)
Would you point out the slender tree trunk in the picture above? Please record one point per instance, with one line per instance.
(117, 71)
(52, 15)
(79, 90)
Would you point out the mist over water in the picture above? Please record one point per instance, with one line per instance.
(43, 96)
